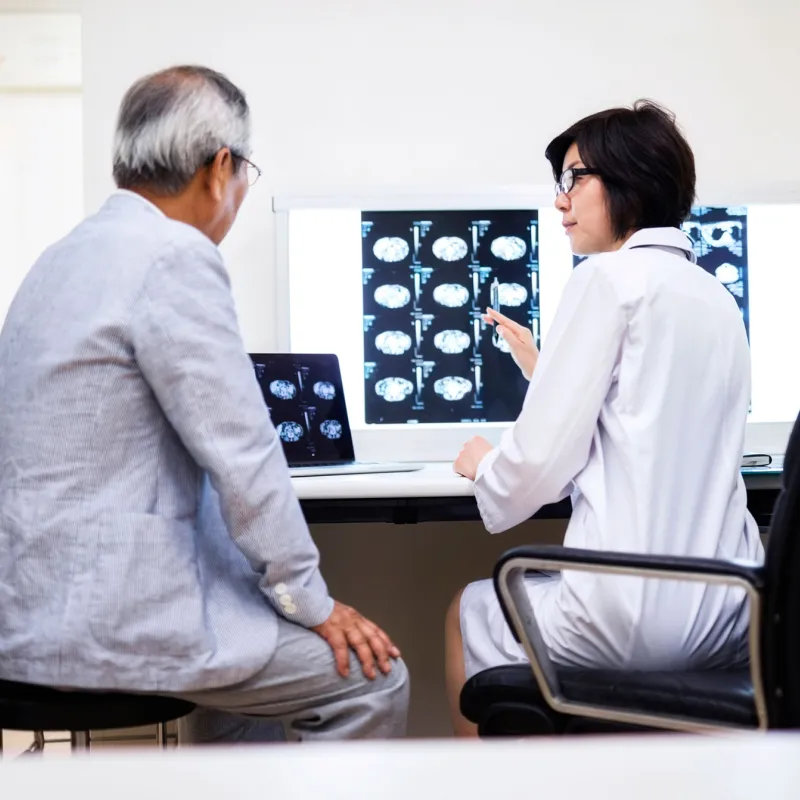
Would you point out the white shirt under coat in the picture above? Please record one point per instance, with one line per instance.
(637, 409)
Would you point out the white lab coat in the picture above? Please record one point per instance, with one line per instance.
(637, 408)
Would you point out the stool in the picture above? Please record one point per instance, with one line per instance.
(27, 707)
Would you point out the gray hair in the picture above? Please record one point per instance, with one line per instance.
(173, 122)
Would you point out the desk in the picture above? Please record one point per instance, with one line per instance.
(433, 494)
(436, 494)
(625, 768)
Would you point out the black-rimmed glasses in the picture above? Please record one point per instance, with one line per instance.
(566, 183)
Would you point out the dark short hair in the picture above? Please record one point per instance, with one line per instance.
(643, 159)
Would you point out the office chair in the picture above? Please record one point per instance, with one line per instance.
(26, 707)
(544, 699)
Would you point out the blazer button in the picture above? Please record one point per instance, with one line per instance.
(285, 600)
(281, 588)
(290, 608)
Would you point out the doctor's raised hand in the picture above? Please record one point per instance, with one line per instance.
(519, 339)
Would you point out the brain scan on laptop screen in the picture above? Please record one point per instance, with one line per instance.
(306, 403)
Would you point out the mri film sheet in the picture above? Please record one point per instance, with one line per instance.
(427, 278)
(719, 239)
(307, 407)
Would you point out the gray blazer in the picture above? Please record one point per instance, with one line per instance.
(124, 382)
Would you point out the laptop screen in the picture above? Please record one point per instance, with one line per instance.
(306, 402)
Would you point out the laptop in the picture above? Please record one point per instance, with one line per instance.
(306, 401)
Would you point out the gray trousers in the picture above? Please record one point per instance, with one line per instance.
(299, 696)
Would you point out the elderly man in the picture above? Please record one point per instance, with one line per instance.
(150, 539)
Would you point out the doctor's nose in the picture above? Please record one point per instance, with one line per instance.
(562, 201)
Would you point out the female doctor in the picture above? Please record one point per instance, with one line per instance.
(636, 408)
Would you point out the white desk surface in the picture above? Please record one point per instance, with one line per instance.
(435, 479)
(612, 768)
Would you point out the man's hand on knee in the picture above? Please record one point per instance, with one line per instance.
(346, 629)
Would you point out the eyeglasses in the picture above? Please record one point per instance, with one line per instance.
(566, 183)
(253, 172)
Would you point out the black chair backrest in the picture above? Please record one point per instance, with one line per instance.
(781, 612)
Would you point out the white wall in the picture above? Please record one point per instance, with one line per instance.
(41, 165)
(40, 133)
(425, 92)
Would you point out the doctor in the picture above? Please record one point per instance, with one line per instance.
(636, 408)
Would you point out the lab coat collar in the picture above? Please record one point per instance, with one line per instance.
(670, 239)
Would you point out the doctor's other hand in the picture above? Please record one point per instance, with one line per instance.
(471, 455)
(346, 630)
(519, 339)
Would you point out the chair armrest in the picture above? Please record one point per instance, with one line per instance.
(509, 582)
(704, 570)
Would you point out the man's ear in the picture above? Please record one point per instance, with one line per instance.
(218, 174)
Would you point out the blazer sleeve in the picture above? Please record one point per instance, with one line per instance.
(189, 349)
(549, 444)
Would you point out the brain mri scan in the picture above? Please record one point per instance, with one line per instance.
(331, 429)
(451, 295)
(306, 405)
(428, 277)
(451, 342)
(290, 431)
(392, 295)
(723, 234)
(727, 273)
(508, 248)
(709, 236)
(450, 248)
(325, 390)
(394, 390)
(283, 390)
(393, 343)
(452, 387)
(390, 249)
(512, 294)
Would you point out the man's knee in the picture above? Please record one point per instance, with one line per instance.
(383, 704)
(390, 689)
(397, 686)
